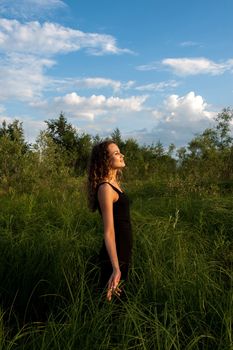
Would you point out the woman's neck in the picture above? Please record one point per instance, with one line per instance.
(112, 176)
(111, 180)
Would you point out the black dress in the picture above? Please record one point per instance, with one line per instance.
(123, 238)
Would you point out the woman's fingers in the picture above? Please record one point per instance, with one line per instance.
(117, 291)
(113, 291)
(110, 283)
(109, 294)
(113, 288)
(113, 282)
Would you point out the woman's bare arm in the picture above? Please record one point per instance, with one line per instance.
(106, 197)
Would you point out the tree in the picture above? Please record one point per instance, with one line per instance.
(171, 149)
(62, 132)
(223, 129)
(84, 146)
(202, 145)
(116, 137)
(13, 150)
(14, 132)
(74, 148)
(158, 150)
(209, 154)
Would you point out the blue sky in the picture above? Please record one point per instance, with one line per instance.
(157, 70)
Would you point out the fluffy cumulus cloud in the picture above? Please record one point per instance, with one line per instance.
(95, 105)
(186, 109)
(178, 119)
(190, 66)
(182, 116)
(51, 38)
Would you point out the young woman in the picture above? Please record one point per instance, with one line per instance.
(105, 193)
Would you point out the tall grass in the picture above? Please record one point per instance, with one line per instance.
(179, 295)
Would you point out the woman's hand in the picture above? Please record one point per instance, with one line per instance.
(113, 284)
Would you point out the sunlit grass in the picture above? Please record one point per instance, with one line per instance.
(180, 291)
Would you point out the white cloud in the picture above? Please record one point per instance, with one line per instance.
(190, 66)
(181, 117)
(23, 77)
(186, 109)
(150, 66)
(190, 44)
(28, 9)
(95, 105)
(194, 66)
(91, 83)
(99, 82)
(161, 86)
(51, 38)
(177, 120)
(115, 85)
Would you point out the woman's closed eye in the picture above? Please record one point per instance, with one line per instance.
(116, 153)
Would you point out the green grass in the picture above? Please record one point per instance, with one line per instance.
(180, 291)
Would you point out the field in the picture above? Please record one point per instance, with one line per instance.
(180, 292)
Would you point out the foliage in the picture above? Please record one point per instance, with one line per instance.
(74, 148)
(209, 156)
(13, 151)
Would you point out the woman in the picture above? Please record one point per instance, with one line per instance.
(105, 193)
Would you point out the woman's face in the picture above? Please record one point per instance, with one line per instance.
(116, 157)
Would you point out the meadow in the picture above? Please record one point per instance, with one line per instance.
(180, 292)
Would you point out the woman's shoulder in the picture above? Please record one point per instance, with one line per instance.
(103, 184)
(104, 187)
(106, 192)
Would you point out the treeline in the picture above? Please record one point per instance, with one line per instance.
(61, 151)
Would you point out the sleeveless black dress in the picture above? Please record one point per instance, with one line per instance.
(123, 238)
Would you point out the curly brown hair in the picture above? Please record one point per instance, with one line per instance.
(99, 169)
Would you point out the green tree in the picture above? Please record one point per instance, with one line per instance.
(158, 150)
(74, 148)
(223, 128)
(62, 132)
(14, 132)
(13, 150)
(117, 138)
(209, 155)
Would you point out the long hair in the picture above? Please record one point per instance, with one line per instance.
(99, 169)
